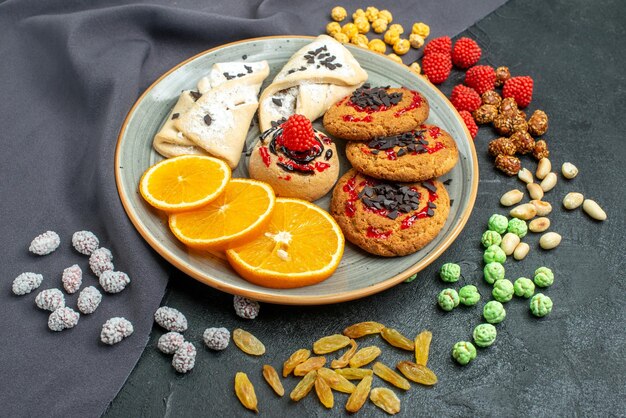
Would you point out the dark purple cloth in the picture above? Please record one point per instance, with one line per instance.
(69, 72)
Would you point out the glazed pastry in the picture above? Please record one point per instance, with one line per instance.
(296, 160)
(314, 78)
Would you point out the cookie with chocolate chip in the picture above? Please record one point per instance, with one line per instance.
(389, 219)
(423, 153)
(370, 112)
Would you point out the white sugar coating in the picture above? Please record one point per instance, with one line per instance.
(216, 75)
(170, 342)
(287, 106)
(101, 260)
(26, 283)
(246, 308)
(50, 300)
(63, 318)
(216, 338)
(184, 358)
(85, 242)
(88, 300)
(45, 243)
(115, 330)
(72, 278)
(114, 281)
(171, 319)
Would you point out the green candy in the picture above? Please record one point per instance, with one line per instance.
(493, 272)
(448, 299)
(518, 227)
(502, 290)
(485, 335)
(468, 295)
(494, 253)
(544, 277)
(498, 223)
(524, 287)
(410, 279)
(463, 352)
(450, 272)
(490, 238)
(494, 312)
(540, 305)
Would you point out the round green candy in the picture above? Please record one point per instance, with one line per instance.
(524, 287)
(493, 272)
(463, 352)
(450, 272)
(448, 299)
(485, 335)
(502, 290)
(544, 277)
(490, 238)
(494, 253)
(468, 295)
(498, 223)
(494, 312)
(518, 227)
(540, 305)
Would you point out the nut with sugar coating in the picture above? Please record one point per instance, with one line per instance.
(569, 170)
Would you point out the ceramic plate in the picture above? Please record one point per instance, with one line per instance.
(359, 274)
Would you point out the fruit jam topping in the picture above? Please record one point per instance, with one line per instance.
(412, 143)
(377, 233)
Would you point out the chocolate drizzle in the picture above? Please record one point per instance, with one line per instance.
(393, 198)
(408, 142)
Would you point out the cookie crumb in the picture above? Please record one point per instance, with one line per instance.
(115, 330)
(45, 243)
(26, 283)
(85, 242)
(89, 299)
(246, 308)
(170, 342)
(171, 319)
(50, 300)
(216, 338)
(72, 278)
(63, 318)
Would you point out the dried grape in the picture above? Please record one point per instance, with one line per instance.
(351, 373)
(390, 376)
(245, 391)
(422, 347)
(362, 329)
(365, 356)
(324, 393)
(330, 343)
(272, 379)
(393, 337)
(248, 343)
(386, 400)
(336, 381)
(299, 356)
(344, 360)
(313, 363)
(359, 396)
(417, 373)
(304, 386)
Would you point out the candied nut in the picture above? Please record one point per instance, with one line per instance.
(377, 45)
(538, 123)
(416, 40)
(333, 28)
(523, 142)
(594, 210)
(510, 241)
(371, 13)
(541, 150)
(572, 200)
(341, 37)
(401, 46)
(358, 13)
(415, 67)
(521, 251)
(508, 107)
(543, 168)
(525, 175)
(501, 146)
(569, 170)
(360, 40)
(543, 208)
(491, 97)
(395, 58)
(362, 25)
(338, 13)
(391, 36)
(397, 27)
(535, 191)
(385, 14)
(549, 240)
(349, 29)
(508, 164)
(421, 29)
(548, 182)
(502, 74)
(379, 25)
(539, 224)
(503, 124)
(512, 197)
(485, 114)
(524, 211)
(519, 123)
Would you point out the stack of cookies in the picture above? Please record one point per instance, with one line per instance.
(390, 203)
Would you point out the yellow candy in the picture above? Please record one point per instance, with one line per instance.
(416, 40)
(421, 29)
(338, 13)
(359, 40)
(395, 58)
(377, 45)
(371, 13)
(350, 30)
(379, 25)
(332, 28)
(401, 46)
(341, 37)
(391, 36)
(358, 13)
(385, 14)
(415, 67)
(362, 25)
(397, 27)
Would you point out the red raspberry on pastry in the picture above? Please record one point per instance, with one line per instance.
(436, 66)
(466, 53)
(442, 45)
(481, 78)
(520, 89)
(469, 122)
(465, 98)
(298, 134)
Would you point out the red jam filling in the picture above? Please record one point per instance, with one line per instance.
(265, 156)
(415, 103)
(391, 154)
(321, 167)
(377, 233)
(423, 213)
(350, 118)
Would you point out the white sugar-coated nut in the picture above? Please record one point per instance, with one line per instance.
(85, 242)
(63, 318)
(184, 358)
(549, 240)
(543, 208)
(572, 200)
(544, 167)
(548, 182)
(512, 197)
(509, 242)
(45, 243)
(115, 330)
(114, 281)
(535, 191)
(170, 342)
(171, 319)
(246, 308)
(525, 175)
(539, 224)
(50, 300)
(594, 210)
(521, 251)
(569, 170)
(525, 211)
(72, 278)
(216, 338)
(101, 260)
(26, 283)
(89, 299)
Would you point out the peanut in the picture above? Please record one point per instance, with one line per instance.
(543, 168)
(539, 224)
(543, 208)
(509, 242)
(512, 197)
(535, 191)
(573, 200)
(594, 210)
(525, 175)
(569, 170)
(549, 240)
(525, 211)
(521, 251)
(548, 182)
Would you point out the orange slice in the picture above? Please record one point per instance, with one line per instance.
(301, 246)
(184, 183)
(235, 217)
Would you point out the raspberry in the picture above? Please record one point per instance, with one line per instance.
(442, 45)
(170, 342)
(171, 319)
(216, 338)
(115, 330)
(72, 278)
(45, 243)
(481, 78)
(184, 358)
(469, 122)
(520, 89)
(246, 308)
(465, 98)
(50, 300)
(436, 66)
(466, 53)
(298, 134)
(88, 300)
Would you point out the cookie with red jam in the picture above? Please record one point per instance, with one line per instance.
(370, 112)
(295, 159)
(389, 219)
(423, 153)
